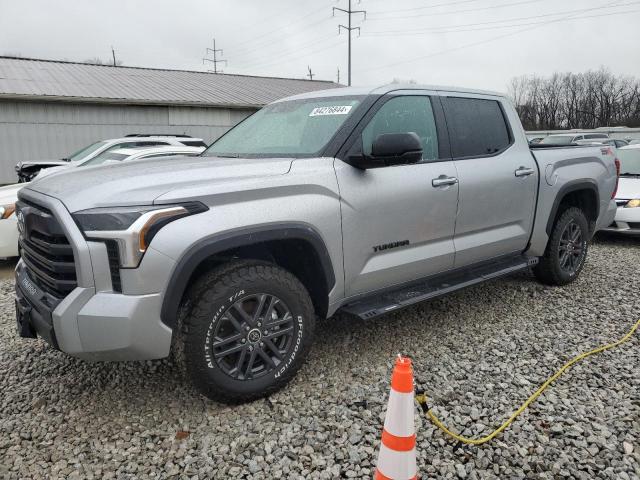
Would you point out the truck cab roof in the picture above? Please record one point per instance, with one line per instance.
(388, 88)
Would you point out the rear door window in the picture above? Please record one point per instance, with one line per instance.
(477, 127)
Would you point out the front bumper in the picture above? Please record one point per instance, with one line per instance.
(94, 326)
(93, 322)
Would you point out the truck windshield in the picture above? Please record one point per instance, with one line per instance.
(556, 140)
(629, 161)
(294, 128)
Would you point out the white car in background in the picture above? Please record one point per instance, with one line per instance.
(8, 222)
(126, 155)
(27, 170)
(628, 196)
(566, 139)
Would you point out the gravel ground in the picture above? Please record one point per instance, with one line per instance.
(479, 353)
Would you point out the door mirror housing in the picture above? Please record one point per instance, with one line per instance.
(391, 149)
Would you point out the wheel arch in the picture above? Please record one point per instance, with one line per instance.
(582, 193)
(297, 247)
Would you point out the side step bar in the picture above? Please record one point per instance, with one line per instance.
(421, 290)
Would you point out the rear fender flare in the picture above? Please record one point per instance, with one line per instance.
(572, 186)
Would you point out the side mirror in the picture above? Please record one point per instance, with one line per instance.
(392, 149)
(397, 148)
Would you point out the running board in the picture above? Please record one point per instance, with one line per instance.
(419, 291)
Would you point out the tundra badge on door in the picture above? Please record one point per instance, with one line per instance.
(387, 246)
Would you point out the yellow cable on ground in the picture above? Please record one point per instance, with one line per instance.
(422, 398)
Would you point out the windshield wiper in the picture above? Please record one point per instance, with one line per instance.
(627, 174)
(228, 155)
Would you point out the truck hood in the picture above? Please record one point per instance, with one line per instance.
(143, 181)
(628, 188)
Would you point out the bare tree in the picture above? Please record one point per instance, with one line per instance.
(576, 100)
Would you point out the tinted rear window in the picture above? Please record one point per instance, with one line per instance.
(477, 127)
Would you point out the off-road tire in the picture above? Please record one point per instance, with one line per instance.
(549, 270)
(207, 302)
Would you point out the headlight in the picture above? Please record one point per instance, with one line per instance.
(633, 203)
(7, 210)
(132, 228)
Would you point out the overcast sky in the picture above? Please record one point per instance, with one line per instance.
(476, 43)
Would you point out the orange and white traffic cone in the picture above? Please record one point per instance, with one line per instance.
(397, 458)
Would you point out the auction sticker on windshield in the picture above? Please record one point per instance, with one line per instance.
(337, 110)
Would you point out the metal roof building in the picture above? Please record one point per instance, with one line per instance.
(49, 109)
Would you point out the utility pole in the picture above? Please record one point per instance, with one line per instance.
(338, 75)
(349, 29)
(215, 60)
(310, 74)
(113, 53)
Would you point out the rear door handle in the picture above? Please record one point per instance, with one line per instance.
(524, 172)
(443, 181)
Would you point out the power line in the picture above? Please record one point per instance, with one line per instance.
(445, 4)
(249, 44)
(488, 40)
(215, 60)
(298, 47)
(295, 55)
(544, 22)
(249, 54)
(349, 29)
(495, 22)
(377, 16)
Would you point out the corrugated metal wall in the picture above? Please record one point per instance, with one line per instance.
(38, 130)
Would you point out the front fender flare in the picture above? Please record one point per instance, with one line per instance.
(213, 244)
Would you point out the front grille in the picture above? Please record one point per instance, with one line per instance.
(634, 225)
(45, 250)
(620, 203)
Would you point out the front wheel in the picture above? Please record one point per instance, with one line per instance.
(566, 251)
(246, 329)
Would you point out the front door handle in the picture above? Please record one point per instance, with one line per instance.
(524, 172)
(443, 181)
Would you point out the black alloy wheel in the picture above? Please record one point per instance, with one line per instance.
(253, 336)
(572, 248)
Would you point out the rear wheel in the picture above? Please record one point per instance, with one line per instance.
(566, 251)
(246, 329)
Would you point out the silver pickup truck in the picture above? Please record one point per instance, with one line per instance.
(348, 200)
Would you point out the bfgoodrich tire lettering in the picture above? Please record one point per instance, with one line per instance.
(246, 328)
